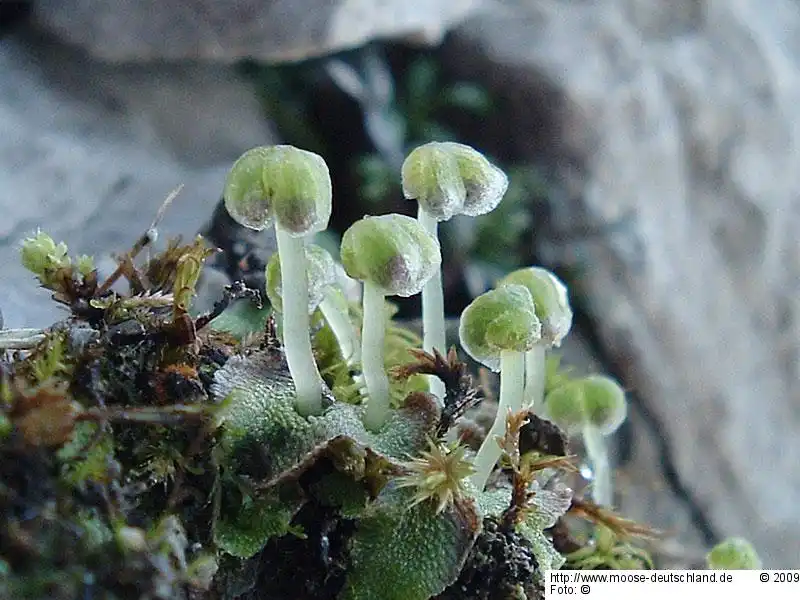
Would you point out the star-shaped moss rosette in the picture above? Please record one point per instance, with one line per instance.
(438, 475)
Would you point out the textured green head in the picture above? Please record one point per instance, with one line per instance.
(604, 399)
(392, 251)
(565, 406)
(448, 179)
(501, 319)
(550, 296)
(284, 183)
(430, 176)
(595, 401)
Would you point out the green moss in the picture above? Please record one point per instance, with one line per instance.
(49, 359)
(86, 457)
(608, 550)
(245, 530)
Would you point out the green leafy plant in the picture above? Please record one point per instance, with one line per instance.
(149, 453)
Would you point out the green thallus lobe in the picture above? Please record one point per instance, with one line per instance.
(291, 187)
(447, 179)
(394, 256)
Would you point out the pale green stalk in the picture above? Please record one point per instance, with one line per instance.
(535, 376)
(342, 328)
(433, 327)
(373, 333)
(512, 373)
(297, 324)
(597, 452)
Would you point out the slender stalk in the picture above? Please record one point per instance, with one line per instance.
(373, 332)
(433, 328)
(535, 376)
(297, 324)
(342, 328)
(512, 374)
(597, 452)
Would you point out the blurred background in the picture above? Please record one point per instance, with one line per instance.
(653, 153)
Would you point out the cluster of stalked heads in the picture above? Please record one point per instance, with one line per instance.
(508, 329)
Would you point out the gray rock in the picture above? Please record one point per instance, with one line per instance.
(675, 131)
(88, 153)
(229, 30)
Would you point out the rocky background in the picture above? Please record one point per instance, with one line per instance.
(669, 133)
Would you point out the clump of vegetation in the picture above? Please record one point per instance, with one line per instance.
(152, 452)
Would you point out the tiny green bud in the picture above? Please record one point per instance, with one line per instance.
(292, 186)
(604, 402)
(447, 179)
(501, 319)
(394, 252)
(550, 296)
(733, 554)
(41, 254)
(85, 265)
(565, 406)
(320, 270)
